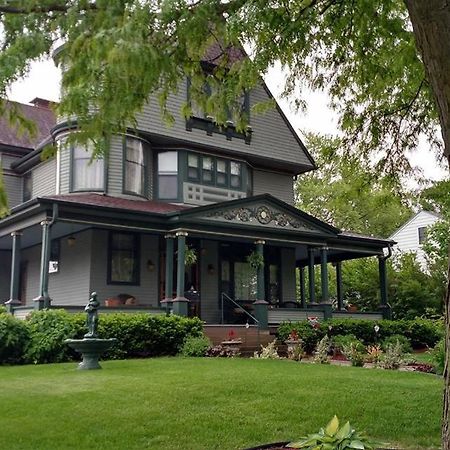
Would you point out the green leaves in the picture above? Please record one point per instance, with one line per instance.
(334, 438)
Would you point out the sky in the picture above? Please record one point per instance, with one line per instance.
(44, 80)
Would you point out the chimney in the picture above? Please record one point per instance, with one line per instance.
(41, 102)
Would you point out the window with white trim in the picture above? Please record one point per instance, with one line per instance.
(168, 175)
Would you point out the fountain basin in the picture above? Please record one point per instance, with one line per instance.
(91, 349)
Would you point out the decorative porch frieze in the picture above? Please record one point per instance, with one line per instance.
(262, 215)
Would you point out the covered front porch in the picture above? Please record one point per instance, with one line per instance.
(255, 259)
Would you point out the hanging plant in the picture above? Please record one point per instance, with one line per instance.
(255, 260)
(190, 256)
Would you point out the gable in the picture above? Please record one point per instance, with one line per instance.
(274, 144)
(421, 219)
(263, 211)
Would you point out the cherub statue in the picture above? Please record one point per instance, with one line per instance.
(92, 316)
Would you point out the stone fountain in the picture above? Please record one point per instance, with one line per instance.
(91, 347)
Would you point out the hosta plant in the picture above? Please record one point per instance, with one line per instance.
(333, 437)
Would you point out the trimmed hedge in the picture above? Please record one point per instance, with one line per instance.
(420, 332)
(40, 338)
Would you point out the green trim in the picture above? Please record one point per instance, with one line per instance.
(339, 287)
(324, 274)
(302, 287)
(15, 266)
(169, 267)
(181, 264)
(312, 291)
(137, 259)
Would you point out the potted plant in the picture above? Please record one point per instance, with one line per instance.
(232, 341)
(294, 346)
(190, 256)
(256, 260)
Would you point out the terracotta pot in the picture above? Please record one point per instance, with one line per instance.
(112, 302)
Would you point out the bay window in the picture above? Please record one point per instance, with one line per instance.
(134, 167)
(88, 174)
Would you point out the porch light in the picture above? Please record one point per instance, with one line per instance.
(71, 240)
(150, 265)
(211, 269)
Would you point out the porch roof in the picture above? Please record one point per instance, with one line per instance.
(258, 217)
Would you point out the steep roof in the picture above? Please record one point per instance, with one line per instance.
(42, 117)
(422, 211)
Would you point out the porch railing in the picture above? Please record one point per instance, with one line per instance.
(226, 297)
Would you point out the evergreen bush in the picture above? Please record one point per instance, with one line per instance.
(14, 339)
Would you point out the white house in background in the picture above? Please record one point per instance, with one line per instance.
(411, 235)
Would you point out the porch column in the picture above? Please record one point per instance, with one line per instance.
(302, 287)
(44, 300)
(382, 270)
(180, 302)
(169, 272)
(15, 271)
(339, 291)
(312, 292)
(261, 306)
(325, 301)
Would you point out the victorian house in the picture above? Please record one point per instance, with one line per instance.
(193, 219)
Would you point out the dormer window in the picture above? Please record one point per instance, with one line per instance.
(87, 174)
(134, 167)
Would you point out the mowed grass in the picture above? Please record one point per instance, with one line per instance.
(199, 404)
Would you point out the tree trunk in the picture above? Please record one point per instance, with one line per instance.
(431, 24)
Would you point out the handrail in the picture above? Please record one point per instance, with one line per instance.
(227, 297)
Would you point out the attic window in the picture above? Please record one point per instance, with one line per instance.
(422, 234)
(201, 121)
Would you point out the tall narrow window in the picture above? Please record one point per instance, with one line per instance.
(422, 234)
(193, 167)
(236, 174)
(123, 264)
(134, 167)
(168, 175)
(27, 187)
(87, 174)
(207, 170)
(222, 173)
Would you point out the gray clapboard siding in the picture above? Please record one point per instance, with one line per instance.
(6, 160)
(115, 166)
(269, 130)
(147, 292)
(209, 289)
(277, 184)
(64, 170)
(360, 316)
(5, 274)
(288, 281)
(13, 186)
(44, 178)
(70, 285)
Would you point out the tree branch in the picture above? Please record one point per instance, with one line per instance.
(56, 7)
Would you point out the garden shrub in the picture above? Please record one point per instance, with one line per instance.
(420, 332)
(355, 353)
(195, 346)
(341, 341)
(404, 342)
(307, 334)
(145, 335)
(438, 355)
(48, 329)
(323, 351)
(14, 339)
(268, 352)
(393, 357)
(222, 351)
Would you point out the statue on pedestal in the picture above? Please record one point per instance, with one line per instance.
(92, 316)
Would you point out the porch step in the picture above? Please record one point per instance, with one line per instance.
(252, 338)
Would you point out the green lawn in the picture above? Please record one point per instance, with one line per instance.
(199, 404)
